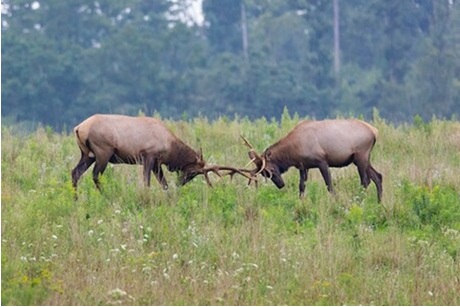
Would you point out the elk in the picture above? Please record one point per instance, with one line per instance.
(320, 144)
(138, 140)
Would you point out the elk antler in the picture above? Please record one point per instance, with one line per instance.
(232, 171)
(257, 157)
(262, 168)
(246, 142)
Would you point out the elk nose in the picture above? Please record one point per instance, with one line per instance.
(279, 183)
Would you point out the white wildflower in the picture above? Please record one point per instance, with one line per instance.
(117, 293)
(239, 270)
(252, 264)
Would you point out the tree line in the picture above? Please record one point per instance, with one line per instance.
(65, 60)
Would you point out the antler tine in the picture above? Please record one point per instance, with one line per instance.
(262, 168)
(208, 181)
(247, 142)
(215, 171)
(249, 163)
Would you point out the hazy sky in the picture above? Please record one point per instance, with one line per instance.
(194, 10)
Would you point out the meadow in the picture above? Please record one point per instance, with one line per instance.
(234, 244)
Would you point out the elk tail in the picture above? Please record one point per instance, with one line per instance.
(83, 142)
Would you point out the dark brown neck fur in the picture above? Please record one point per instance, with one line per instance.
(283, 154)
(181, 156)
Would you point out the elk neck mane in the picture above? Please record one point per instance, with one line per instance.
(181, 156)
(283, 154)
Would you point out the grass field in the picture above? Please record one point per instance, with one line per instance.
(234, 244)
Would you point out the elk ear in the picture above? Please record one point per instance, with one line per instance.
(268, 154)
(200, 154)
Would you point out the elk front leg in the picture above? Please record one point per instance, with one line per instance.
(158, 171)
(324, 169)
(99, 168)
(303, 178)
(148, 164)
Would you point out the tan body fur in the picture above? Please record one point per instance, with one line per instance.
(334, 141)
(126, 137)
(322, 144)
(133, 140)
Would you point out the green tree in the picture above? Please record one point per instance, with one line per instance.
(223, 22)
(435, 78)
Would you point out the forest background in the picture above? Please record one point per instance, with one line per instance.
(65, 60)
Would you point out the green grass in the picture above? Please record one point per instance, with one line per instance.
(234, 244)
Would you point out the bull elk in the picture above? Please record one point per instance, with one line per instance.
(138, 140)
(320, 144)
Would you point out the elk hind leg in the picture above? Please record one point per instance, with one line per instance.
(377, 178)
(84, 163)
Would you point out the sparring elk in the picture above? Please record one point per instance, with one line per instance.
(320, 144)
(137, 140)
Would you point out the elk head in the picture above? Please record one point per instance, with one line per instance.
(265, 165)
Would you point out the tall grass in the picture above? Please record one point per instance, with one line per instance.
(234, 244)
